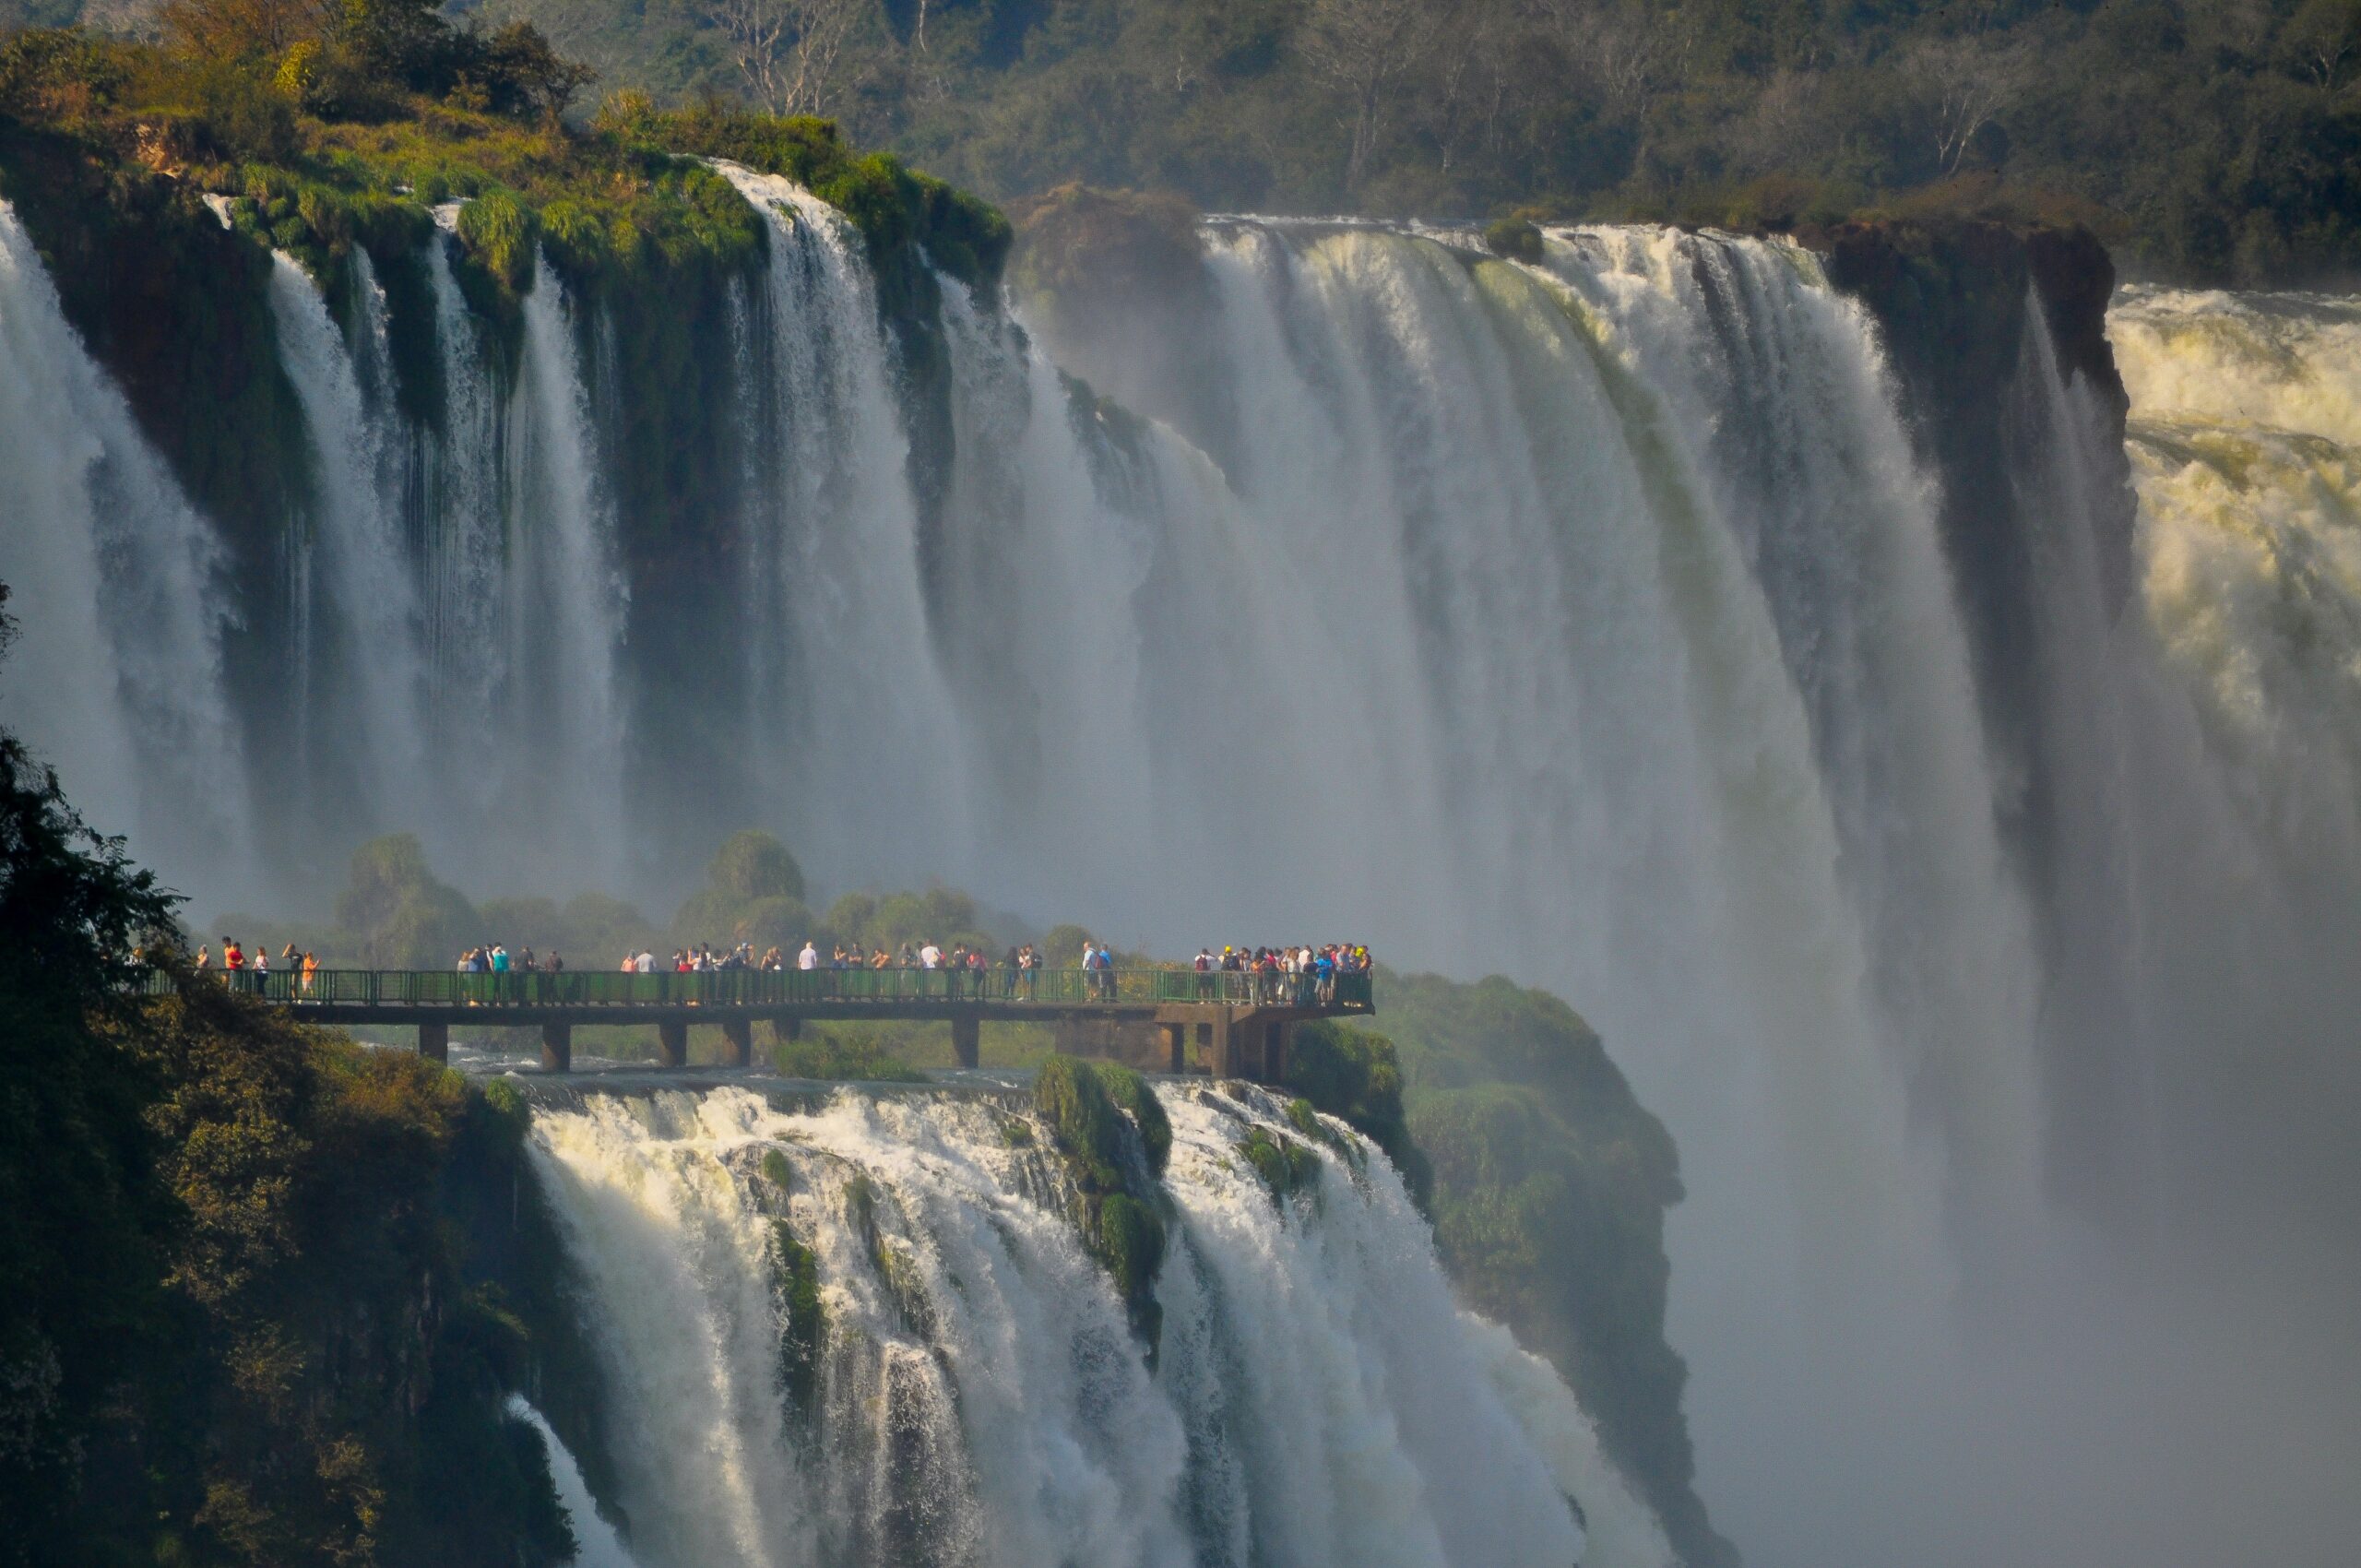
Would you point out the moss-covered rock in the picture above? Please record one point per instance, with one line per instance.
(802, 1316)
(1105, 1121)
(1285, 1165)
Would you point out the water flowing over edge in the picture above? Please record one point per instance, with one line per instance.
(973, 1392)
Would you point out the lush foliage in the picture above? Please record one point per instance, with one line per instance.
(237, 1329)
(2222, 133)
(850, 1052)
(1549, 1185)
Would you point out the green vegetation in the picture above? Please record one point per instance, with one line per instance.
(1285, 1165)
(2217, 136)
(852, 1052)
(803, 1322)
(1547, 1182)
(1121, 1216)
(242, 1323)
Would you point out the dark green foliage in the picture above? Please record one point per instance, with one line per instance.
(1355, 1075)
(754, 893)
(1083, 1120)
(1130, 1092)
(2221, 136)
(1515, 238)
(843, 1053)
(1549, 1185)
(84, 1213)
(803, 1324)
(896, 209)
(1120, 1217)
(399, 916)
(1285, 1166)
(776, 1171)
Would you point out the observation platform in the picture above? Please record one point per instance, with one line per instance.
(1236, 1022)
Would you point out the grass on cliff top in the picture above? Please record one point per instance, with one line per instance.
(625, 195)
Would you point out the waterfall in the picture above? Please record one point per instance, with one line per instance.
(369, 686)
(848, 711)
(565, 602)
(2245, 436)
(1585, 620)
(974, 1393)
(596, 1543)
(117, 681)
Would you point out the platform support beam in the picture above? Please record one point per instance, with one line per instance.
(557, 1048)
(966, 1039)
(435, 1041)
(739, 1034)
(672, 1043)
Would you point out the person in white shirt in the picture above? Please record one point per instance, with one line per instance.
(810, 957)
(930, 957)
(647, 962)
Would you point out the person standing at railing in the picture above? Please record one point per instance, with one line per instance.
(261, 969)
(808, 958)
(311, 970)
(1011, 965)
(234, 964)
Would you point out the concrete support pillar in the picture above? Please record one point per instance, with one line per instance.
(1221, 1053)
(1275, 1054)
(1175, 1048)
(557, 1048)
(672, 1043)
(1204, 1033)
(739, 1033)
(966, 1039)
(435, 1041)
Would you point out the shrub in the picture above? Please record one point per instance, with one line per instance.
(1515, 238)
(499, 232)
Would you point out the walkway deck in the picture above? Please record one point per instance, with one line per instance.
(1238, 1022)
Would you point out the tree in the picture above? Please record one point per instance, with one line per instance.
(1966, 83)
(79, 1201)
(1363, 47)
(787, 50)
(232, 29)
(519, 60)
(2322, 39)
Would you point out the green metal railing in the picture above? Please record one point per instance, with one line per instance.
(787, 988)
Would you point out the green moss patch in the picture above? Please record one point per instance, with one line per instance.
(1120, 1218)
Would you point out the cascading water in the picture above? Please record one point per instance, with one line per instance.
(2246, 441)
(1583, 619)
(368, 597)
(960, 1383)
(118, 678)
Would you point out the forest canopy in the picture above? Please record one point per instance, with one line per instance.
(2211, 140)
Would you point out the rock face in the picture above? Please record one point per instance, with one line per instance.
(1959, 303)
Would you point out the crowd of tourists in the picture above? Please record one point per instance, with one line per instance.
(1302, 976)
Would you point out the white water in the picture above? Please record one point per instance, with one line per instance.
(1318, 1398)
(369, 599)
(596, 1543)
(118, 678)
(1583, 622)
